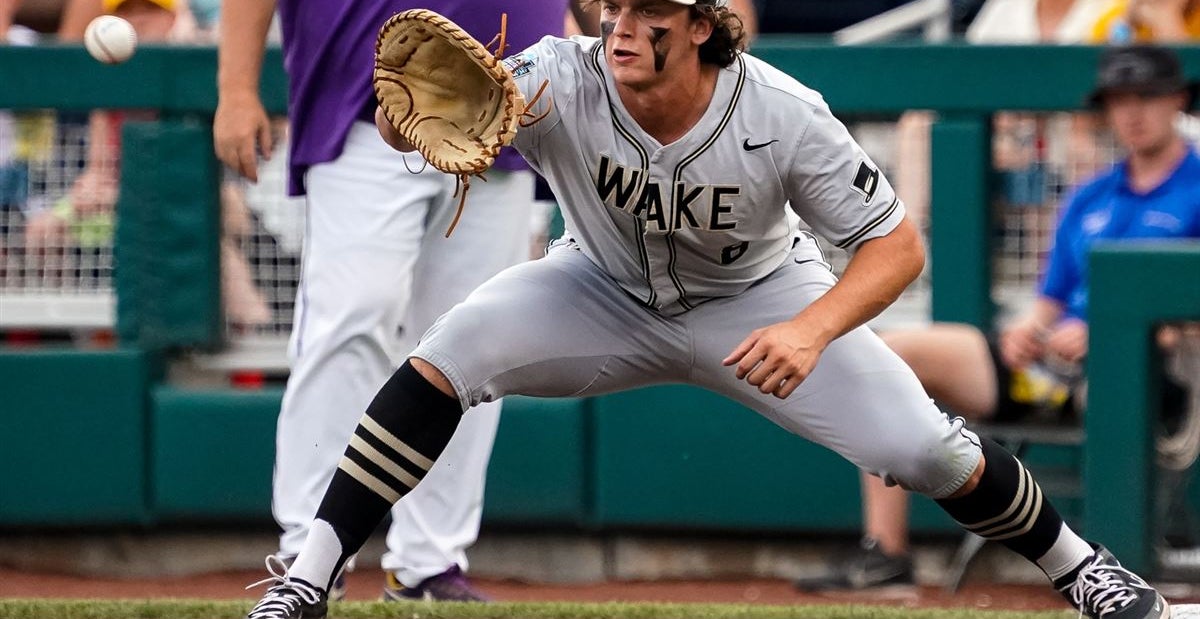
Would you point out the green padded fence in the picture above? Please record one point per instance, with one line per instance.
(1134, 286)
(73, 437)
(682, 457)
(541, 466)
(168, 278)
(212, 452)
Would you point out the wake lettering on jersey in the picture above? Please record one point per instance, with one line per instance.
(665, 208)
(625, 190)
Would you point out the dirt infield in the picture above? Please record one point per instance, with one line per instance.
(365, 585)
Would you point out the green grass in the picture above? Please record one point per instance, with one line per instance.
(205, 609)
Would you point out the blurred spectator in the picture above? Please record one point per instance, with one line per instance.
(1035, 21)
(244, 304)
(1143, 21)
(1022, 144)
(25, 139)
(83, 219)
(1163, 21)
(68, 17)
(81, 222)
(1159, 21)
(1034, 366)
(94, 192)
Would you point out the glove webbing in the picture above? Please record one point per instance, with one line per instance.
(527, 119)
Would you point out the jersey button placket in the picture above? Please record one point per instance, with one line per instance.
(656, 247)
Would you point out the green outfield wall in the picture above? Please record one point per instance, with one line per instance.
(100, 438)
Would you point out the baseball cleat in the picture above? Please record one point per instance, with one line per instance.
(867, 568)
(288, 598)
(337, 592)
(449, 586)
(1103, 589)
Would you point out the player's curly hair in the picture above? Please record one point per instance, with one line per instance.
(728, 35)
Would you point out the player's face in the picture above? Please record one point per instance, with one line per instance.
(1143, 123)
(644, 39)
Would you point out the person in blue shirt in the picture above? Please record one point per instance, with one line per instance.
(1033, 365)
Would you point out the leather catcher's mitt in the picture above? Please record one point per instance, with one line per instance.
(446, 93)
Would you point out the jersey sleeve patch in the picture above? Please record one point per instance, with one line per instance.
(866, 182)
(520, 64)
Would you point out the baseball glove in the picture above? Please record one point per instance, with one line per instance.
(446, 93)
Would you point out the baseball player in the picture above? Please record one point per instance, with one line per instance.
(674, 157)
(376, 270)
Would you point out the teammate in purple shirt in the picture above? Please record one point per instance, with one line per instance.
(376, 268)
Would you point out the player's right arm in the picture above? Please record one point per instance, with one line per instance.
(241, 126)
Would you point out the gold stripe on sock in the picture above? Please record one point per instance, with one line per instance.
(1029, 522)
(1004, 517)
(382, 461)
(390, 440)
(368, 480)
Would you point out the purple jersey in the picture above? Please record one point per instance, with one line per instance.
(329, 54)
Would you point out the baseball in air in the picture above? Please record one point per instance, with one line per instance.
(110, 39)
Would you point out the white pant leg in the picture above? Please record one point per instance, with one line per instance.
(555, 327)
(366, 219)
(561, 327)
(861, 400)
(434, 524)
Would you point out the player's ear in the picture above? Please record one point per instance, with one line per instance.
(1183, 100)
(701, 29)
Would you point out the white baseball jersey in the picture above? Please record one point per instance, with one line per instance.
(704, 216)
(700, 224)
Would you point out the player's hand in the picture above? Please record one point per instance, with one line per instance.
(776, 359)
(1069, 340)
(1021, 344)
(241, 129)
(390, 134)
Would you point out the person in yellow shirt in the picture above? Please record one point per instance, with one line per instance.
(1161, 21)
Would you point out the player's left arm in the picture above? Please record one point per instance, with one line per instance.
(777, 358)
(874, 278)
(840, 192)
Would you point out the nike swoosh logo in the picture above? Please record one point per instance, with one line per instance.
(747, 146)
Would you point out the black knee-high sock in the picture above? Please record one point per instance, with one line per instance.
(404, 430)
(1007, 506)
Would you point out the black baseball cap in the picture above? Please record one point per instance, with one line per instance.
(1142, 69)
